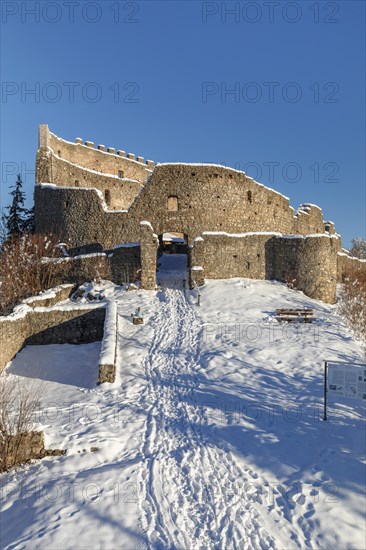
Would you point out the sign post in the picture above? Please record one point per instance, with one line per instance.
(344, 380)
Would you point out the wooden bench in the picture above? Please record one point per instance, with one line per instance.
(300, 315)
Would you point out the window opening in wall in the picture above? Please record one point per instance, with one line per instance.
(121, 174)
(172, 203)
(76, 183)
(66, 204)
(107, 196)
(59, 153)
(248, 265)
(235, 256)
(250, 196)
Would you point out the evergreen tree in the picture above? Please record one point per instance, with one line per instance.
(28, 224)
(19, 219)
(3, 229)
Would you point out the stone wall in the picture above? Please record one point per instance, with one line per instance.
(176, 198)
(30, 325)
(105, 161)
(122, 265)
(233, 255)
(218, 203)
(205, 203)
(348, 264)
(149, 250)
(311, 260)
(50, 297)
(108, 354)
(77, 324)
(125, 263)
(21, 448)
(118, 192)
(74, 326)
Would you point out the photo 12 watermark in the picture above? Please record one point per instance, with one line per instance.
(10, 170)
(69, 92)
(70, 11)
(250, 12)
(292, 171)
(270, 92)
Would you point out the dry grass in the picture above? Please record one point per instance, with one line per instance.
(18, 403)
(352, 303)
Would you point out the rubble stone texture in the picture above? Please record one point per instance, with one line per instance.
(97, 199)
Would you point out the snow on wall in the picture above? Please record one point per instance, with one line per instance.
(45, 325)
(107, 360)
(73, 188)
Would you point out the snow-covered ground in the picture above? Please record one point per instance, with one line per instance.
(211, 437)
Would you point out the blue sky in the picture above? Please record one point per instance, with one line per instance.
(154, 78)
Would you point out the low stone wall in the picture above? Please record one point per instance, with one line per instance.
(108, 354)
(25, 325)
(74, 326)
(50, 297)
(21, 448)
(16, 327)
(78, 269)
(125, 263)
(120, 265)
(348, 264)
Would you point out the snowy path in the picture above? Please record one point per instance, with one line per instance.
(210, 438)
(188, 485)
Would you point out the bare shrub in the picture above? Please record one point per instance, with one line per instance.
(18, 402)
(24, 271)
(352, 303)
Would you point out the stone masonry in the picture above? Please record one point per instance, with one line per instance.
(96, 199)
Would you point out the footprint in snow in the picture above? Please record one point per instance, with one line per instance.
(310, 512)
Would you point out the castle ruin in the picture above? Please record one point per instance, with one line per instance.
(101, 200)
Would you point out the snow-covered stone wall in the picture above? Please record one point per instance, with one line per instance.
(54, 325)
(348, 264)
(175, 198)
(108, 354)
